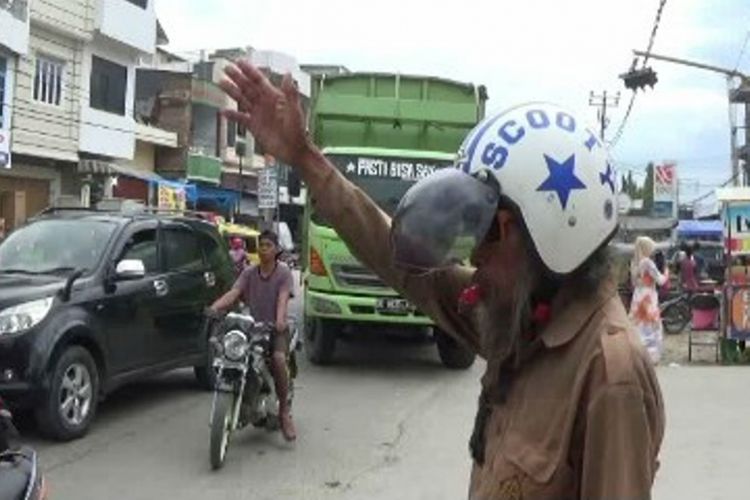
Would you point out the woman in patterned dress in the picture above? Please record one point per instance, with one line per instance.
(644, 308)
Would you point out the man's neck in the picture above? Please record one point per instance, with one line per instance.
(267, 267)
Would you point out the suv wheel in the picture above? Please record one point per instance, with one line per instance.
(452, 354)
(69, 405)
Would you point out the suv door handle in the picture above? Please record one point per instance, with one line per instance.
(210, 279)
(161, 288)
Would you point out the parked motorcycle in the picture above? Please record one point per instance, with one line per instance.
(245, 392)
(20, 478)
(676, 313)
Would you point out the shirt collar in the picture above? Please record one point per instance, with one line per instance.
(570, 313)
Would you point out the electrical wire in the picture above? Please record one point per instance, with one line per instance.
(621, 128)
(742, 52)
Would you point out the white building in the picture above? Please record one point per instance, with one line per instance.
(74, 97)
(14, 42)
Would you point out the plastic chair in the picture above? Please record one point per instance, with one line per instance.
(706, 317)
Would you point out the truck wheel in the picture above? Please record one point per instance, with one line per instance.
(69, 405)
(320, 340)
(452, 354)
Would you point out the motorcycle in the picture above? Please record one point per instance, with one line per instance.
(244, 393)
(676, 313)
(20, 478)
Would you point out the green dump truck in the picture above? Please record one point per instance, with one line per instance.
(384, 132)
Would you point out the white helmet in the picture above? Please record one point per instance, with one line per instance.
(542, 160)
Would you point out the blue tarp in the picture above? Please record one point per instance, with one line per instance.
(224, 198)
(700, 229)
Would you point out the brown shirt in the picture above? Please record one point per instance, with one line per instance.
(583, 418)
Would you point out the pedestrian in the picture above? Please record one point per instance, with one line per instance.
(238, 255)
(689, 271)
(644, 307)
(266, 289)
(570, 406)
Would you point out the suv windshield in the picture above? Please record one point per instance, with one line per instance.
(385, 180)
(52, 246)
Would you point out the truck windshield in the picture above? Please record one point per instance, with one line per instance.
(55, 246)
(385, 180)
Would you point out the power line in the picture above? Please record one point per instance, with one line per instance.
(657, 21)
(742, 52)
(706, 195)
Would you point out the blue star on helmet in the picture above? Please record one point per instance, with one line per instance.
(608, 178)
(562, 179)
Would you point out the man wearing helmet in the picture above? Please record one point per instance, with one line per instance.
(570, 406)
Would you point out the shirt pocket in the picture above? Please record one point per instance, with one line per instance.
(538, 433)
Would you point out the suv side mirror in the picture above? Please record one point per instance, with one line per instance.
(130, 270)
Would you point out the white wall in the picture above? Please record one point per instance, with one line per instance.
(41, 129)
(127, 23)
(15, 32)
(106, 133)
(71, 18)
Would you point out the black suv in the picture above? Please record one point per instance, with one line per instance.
(91, 300)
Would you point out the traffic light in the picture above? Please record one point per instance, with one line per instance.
(638, 78)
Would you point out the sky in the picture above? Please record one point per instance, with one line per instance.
(522, 51)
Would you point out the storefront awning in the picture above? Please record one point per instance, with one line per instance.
(700, 229)
(101, 167)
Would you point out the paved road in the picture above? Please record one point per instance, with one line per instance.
(386, 422)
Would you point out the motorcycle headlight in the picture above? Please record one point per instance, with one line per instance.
(22, 317)
(235, 345)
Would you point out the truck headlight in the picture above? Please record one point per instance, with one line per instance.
(235, 345)
(25, 316)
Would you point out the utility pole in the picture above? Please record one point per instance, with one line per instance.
(602, 101)
(738, 95)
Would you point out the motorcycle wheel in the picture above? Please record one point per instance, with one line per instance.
(221, 428)
(675, 318)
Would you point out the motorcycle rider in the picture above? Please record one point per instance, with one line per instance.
(266, 289)
(570, 405)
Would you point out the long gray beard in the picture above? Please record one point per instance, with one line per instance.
(501, 327)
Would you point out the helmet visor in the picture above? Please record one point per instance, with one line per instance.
(443, 218)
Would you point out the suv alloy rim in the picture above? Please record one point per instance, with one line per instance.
(75, 394)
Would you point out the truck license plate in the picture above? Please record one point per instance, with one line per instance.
(394, 306)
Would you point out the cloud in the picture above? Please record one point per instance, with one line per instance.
(531, 50)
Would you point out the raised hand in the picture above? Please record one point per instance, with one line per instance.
(273, 116)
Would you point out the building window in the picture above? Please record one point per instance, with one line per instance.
(140, 3)
(109, 83)
(3, 71)
(48, 80)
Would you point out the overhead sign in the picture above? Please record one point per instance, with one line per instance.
(4, 149)
(268, 188)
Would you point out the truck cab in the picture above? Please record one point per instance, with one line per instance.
(383, 132)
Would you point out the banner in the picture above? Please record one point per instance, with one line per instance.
(665, 190)
(171, 198)
(665, 183)
(737, 227)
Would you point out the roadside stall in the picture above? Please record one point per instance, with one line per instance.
(735, 331)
